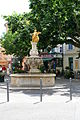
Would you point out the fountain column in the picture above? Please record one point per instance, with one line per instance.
(34, 50)
(34, 60)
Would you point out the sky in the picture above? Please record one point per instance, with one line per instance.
(7, 7)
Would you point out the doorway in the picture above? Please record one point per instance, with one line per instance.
(71, 63)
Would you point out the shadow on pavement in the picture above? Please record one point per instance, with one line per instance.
(62, 88)
(3, 102)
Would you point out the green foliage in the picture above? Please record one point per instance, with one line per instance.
(42, 68)
(68, 74)
(18, 71)
(17, 40)
(57, 20)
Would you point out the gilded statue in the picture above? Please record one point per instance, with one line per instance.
(35, 37)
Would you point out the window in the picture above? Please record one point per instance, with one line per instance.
(70, 47)
(61, 50)
(71, 63)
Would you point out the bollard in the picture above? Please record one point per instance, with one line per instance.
(7, 81)
(70, 88)
(40, 90)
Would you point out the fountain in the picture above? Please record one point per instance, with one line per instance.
(33, 77)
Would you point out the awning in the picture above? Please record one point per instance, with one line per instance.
(3, 62)
(46, 56)
(47, 59)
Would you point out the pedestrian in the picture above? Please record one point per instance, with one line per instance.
(3, 69)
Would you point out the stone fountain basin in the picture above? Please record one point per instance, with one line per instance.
(32, 80)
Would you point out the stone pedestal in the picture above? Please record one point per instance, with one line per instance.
(34, 50)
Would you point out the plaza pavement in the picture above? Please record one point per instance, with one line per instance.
(24, 103)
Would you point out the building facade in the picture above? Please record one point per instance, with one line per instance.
(70, 57)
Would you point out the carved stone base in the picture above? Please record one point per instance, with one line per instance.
(35, 63)
(34, 71)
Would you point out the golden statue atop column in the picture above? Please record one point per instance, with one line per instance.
(35, 37)
(35, 40)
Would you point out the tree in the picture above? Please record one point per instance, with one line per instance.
(17, 40)
(58, 20)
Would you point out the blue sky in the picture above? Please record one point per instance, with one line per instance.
(7, 7)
